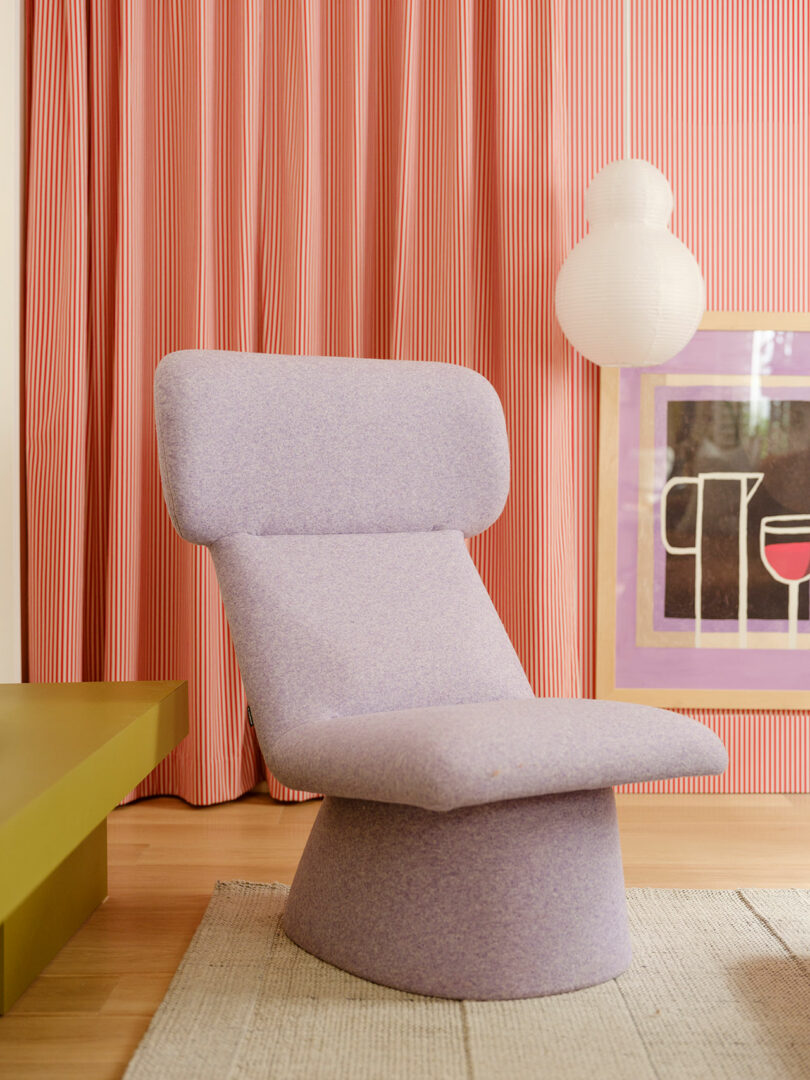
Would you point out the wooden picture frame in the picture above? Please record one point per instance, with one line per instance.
(693, 607)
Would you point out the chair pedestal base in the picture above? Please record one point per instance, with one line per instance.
(506, 900)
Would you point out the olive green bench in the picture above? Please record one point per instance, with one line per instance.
(69, 752)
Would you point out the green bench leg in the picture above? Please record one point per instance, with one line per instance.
(38, 928)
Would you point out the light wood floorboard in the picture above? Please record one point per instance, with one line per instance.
(84, 1016)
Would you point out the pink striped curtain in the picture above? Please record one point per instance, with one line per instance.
(395, 179)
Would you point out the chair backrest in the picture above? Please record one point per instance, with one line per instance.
(334, 495)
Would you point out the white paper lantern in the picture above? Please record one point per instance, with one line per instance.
(630, 293)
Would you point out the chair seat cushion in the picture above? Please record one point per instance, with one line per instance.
(449, 756)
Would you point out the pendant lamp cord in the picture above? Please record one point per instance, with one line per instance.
(626, 66)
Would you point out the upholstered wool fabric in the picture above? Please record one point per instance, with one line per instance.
(511, 899)
(323, 488)
(331, 626)
(299, 444)
(377, 668)
(445, 757)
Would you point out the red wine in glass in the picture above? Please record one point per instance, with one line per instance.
(784, 547)
(789, 561)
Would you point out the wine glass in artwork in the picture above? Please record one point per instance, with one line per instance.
(784, 547)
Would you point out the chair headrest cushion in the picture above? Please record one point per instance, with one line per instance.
(274, 445)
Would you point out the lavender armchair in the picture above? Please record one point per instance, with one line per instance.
(467, 846)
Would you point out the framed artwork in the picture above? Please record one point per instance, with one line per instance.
(704, 521)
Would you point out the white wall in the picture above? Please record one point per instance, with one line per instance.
(11, 160)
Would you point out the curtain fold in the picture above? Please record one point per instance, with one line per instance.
(398, 179)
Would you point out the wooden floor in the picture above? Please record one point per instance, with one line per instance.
(84, 1016)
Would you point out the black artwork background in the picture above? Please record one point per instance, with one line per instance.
(723, 436)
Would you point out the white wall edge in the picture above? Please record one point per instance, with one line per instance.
(11, 223)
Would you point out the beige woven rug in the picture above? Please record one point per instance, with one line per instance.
(719, 987)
